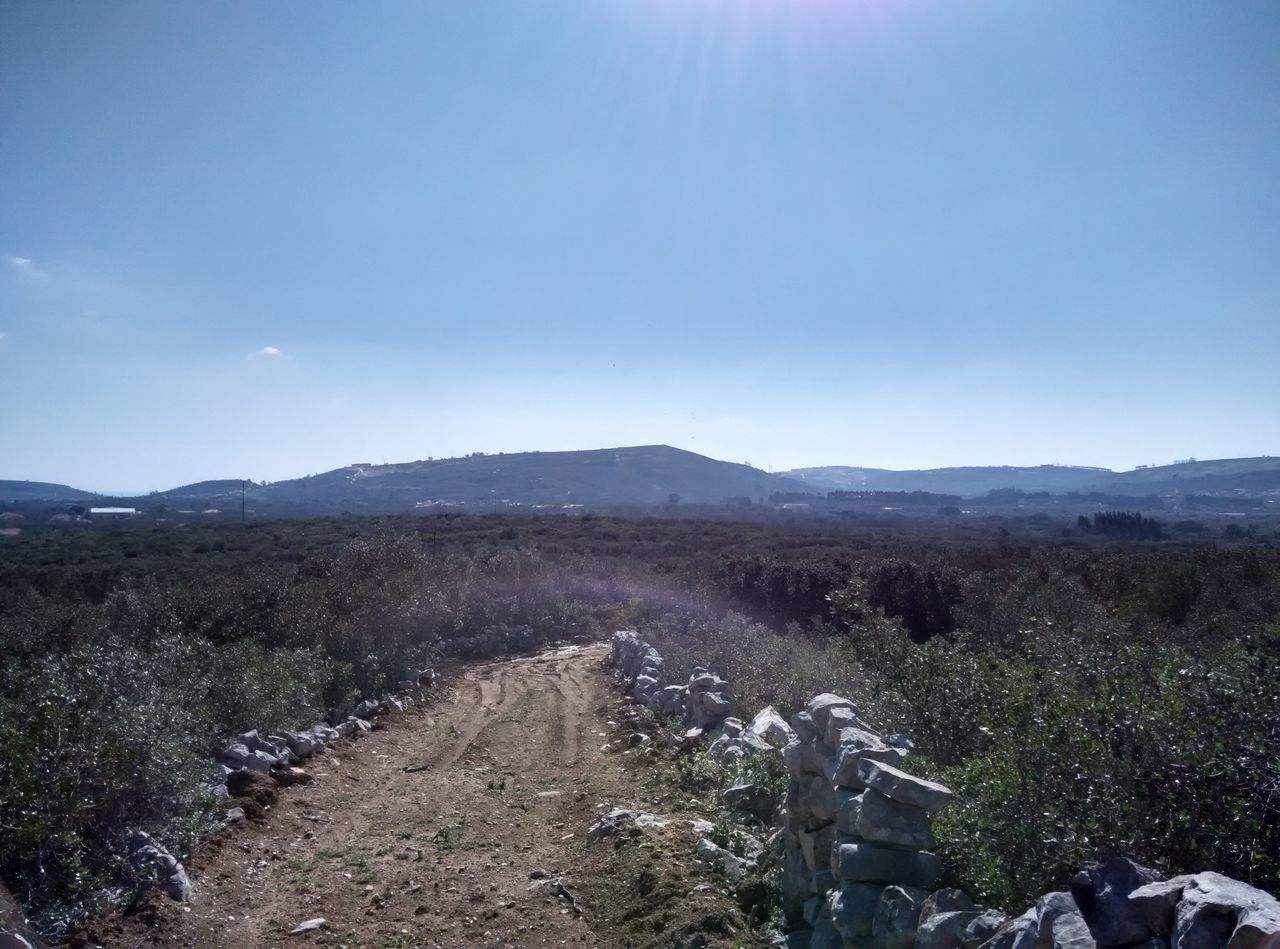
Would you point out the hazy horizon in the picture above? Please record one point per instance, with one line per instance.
(117, 491)
(272, 240)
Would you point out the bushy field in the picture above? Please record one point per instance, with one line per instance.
(1081, 705)
(113, 709)
(1080, 699)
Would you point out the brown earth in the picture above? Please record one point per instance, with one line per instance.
(463, 823)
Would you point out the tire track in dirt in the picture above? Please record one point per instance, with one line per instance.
(493, 693)
(571, 714)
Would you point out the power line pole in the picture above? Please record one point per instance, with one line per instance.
(242, 484)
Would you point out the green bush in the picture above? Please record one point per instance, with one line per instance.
(1123, 703)
(1081, 737)
(112, 713)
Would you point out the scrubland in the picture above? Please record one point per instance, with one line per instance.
(1082, 700)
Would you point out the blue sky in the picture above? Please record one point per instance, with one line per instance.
(266, 239)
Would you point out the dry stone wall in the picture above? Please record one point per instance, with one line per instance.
(703, 702)
(854, 845)
(268, 754)
(858, 867)
(857, 843)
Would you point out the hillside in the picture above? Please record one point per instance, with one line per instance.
(205, 490)
(1228, 474)
(613, 476)
(1223, 474)
(29, 491)
(969, 481)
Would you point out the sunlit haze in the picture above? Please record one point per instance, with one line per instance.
(262, 240)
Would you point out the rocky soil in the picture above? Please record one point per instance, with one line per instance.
(463, 823)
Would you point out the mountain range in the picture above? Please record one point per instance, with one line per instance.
(655, 475)
(1227, 474)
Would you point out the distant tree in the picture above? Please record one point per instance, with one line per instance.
(1126, 525)
(673, 499)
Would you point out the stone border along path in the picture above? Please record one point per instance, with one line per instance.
(248, 754)
(275, 756)
(854, 843)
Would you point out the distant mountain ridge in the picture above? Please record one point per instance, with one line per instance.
(651, 475)
(1253, 474)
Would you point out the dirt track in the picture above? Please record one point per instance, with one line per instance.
(481, 842)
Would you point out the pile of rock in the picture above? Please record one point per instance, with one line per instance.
(267, 754)
(623, 821)
(703, 702)
(765, 733)
(745, 855)
(856, 843)
(1123, 904)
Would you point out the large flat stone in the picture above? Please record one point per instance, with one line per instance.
(816, 847)
(946, 900)
(852, 908)
(839, 717)
(869, 863)
(1102, 893)
(1213, 904)
(771, 727)
(1049, 907)
(706, 683)
(1020, 933)
(805, 729)
(884, 820)
(1157, 903)
(819, 709)
(853, 745)
(1070, 931)
(817, 798)
(802, 759)
(848, 807)
(959, 929)
(944, 930)
(902, 787)
(898, 917)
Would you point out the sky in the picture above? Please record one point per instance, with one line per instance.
(262, 240)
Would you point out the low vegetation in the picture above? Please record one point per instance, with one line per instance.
(1080, 708)
(1080, 698)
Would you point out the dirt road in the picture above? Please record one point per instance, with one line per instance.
(463, 823)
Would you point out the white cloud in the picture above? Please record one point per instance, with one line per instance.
(25, 267)
(271, 352)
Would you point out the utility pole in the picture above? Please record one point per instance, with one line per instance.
(242, 483)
